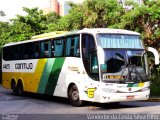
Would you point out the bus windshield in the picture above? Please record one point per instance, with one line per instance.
(124, 65)
(116, 60)
(124, 58)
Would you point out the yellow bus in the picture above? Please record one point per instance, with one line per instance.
(99, 65)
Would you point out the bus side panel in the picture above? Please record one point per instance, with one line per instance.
(50, 76)
(30, 77)
(73, 72)
(6, 80)
(70, 73)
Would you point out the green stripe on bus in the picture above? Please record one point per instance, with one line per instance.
(130, 85)
(54, 75)
(45, 75)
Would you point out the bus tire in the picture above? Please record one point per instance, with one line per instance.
(73, 96)
(14, 87)
(20, 88)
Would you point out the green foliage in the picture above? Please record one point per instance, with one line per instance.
(4, 33)
(95, 13)
(34, 19)
(52, 17)
(155, 91)
(155, 81)
(51, 21)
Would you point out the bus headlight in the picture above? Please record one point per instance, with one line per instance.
(108, 90)
(145, 89)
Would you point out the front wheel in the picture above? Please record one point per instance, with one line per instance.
(73, 96)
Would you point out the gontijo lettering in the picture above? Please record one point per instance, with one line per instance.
(23, 66)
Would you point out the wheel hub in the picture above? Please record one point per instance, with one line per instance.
(75, 95)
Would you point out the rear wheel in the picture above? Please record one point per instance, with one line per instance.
(74, 96)
(20, 88)
(14, 88)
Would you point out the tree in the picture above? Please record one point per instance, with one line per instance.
(4, 32)
(52, 20)
(34, 19)
(52, 17)
(101, 13)
(20, 31)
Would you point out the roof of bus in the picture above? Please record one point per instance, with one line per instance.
(93, 31)
(107, 30)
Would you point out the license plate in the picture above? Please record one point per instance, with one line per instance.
(130, 97)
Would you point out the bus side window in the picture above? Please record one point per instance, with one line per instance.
(45, 49)
(30, 50)
(16, 51)
(8, 53)
(26, 51)
(72, 46)
(94, 64)
(59, 47)
(23, 53)
(36, 50)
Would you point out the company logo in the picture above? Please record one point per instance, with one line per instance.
(90, 92)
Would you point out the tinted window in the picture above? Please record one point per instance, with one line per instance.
(8, 53)
(58, 47)
(89, 55)
(16, 52)
(115, 60)
(45, 49)
(36, 50)
(26, 51)
(72, 46)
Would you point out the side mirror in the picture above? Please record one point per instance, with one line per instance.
(155, 53)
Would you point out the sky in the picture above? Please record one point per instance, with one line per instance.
(13, 7)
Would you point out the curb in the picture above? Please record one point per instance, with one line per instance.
(154, 99)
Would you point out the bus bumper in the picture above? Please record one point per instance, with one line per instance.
(122, 97)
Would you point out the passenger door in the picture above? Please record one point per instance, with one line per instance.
(89, 56)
